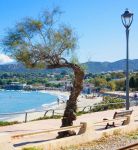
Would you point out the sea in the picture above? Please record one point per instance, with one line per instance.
(21, 101)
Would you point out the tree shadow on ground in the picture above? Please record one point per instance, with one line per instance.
(31, 142)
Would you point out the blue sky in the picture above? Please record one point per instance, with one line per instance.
(97, 23)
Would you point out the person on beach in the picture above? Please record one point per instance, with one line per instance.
(135, 95)
(58, 101)
(63, 101)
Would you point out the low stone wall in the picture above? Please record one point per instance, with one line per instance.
(85, 134)
(88, 136)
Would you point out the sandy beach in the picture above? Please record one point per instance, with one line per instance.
(59, 107)
(82, 101)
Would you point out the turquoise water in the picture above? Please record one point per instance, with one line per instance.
(19, 101)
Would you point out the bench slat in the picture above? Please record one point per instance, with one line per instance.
(122, 113)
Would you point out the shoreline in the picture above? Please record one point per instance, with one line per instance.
(59, 108)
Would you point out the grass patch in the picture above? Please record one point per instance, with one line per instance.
(6, 123)
(133, 135)
(117, 132)
(48, 117)
(32, 148)
(79, 113)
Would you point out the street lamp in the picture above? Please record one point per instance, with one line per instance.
(127, 19)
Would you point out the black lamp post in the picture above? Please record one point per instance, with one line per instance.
(127, 19)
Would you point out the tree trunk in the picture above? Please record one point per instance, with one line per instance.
(71, 105)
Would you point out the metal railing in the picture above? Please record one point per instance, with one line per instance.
(30, 112)
(52, 112)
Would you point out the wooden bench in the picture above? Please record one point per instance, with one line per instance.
(124, 116)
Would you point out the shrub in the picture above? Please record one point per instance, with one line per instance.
(109, 103)
(48, 117)
(5, 123)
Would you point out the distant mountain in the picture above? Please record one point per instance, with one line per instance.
(93, 67)
(98, 67)
(20, 68)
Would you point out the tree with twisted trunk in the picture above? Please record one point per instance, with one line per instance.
(41, 43)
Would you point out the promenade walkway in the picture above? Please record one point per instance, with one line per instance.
(54, 124)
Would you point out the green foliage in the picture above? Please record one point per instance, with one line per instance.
(75, 60)
(100, 82)
(117, 75)
(112, 85)
(53, 41)
(133, 82)
(108, 103)
(56, 85)
(31, 79)
(120, 85)
(5, 123)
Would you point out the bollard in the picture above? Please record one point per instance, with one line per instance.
(86, 128)
(127, 121)
(53, 112)
(45, 113)
(90, 109)
(25, 117)
(82, 128)
(84, 109)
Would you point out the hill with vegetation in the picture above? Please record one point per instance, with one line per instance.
(92, 67)
(99, 67)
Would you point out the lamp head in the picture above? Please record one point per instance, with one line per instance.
(127, 18)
